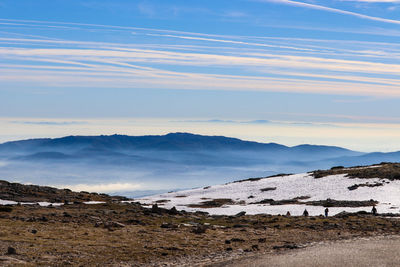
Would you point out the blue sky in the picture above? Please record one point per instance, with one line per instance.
(278, 60)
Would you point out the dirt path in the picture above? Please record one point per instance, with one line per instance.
(378, 251)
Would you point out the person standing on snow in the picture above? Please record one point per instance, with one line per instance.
(305, 213)
(374, 211)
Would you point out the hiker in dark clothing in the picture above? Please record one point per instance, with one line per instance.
(305, 213)
(374, 211)
(326, 212)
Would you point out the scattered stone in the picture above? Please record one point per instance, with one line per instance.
(201, 229)
(286, 246)
(342, 203)
(11, 251)
(267, 189)
(239, 226)
(173, 248)
(5, 208)
(355, 186)
(342, 215)
(173, 211)
(240, 214)
(169, 226)
(162, 201)
(155, 209)
(215, 203)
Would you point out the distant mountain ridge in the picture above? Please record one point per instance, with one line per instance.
(171, 141)
(187, 149)
(175, 160)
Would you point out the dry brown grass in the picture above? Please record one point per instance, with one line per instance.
(68, 236)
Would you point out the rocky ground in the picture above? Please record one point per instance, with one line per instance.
(116, 232)
(127, 234)
(34, 193)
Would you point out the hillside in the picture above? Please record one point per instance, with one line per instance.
(339, 189)
(16, 192)
(172, 141)
(115, 232)
(176, 160)
(168, 142)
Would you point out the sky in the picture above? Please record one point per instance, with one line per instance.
(320, 72)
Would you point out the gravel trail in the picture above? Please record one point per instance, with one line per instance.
(378, 251)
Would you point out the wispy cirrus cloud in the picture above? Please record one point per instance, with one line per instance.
(50, 123)
(373, 1)
(229, 41)
(202, 61)
(334, 10)
(124, 68)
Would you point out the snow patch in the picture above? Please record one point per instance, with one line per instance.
(287, 187)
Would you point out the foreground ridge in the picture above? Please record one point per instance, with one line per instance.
(340, 189)
(113, 231)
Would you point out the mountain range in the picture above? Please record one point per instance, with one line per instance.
(123, 145)
(185, 148)
(163, 162)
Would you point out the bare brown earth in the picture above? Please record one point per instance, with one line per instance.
(127, 234)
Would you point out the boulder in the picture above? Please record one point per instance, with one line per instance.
(11, 251)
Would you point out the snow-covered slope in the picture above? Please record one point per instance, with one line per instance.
(245, 194)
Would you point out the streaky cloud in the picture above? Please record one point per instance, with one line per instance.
(55, 123)
(334, 10)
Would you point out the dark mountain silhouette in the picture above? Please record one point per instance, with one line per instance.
(174, 148)
(169, 142)
(178, 148)
(176, 160)
(186, 148)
